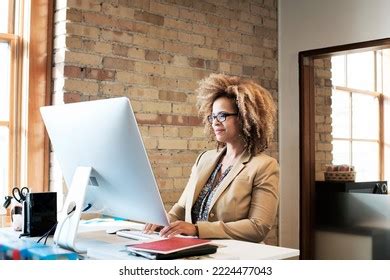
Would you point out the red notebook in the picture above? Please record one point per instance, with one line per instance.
(170, 245)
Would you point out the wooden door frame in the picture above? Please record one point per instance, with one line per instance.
(307, 134)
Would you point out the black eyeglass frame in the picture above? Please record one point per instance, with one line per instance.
(221, 116)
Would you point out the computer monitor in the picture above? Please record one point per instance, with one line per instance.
(104, 162)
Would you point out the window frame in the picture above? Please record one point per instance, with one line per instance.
(30, 27)
(381, 98)
(14, 43)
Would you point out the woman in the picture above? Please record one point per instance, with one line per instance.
(233, 190)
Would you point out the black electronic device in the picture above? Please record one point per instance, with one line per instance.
(40, 213)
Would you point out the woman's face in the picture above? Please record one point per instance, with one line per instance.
(227, 131)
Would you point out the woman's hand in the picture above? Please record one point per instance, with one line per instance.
(178, 227)
(150, 228)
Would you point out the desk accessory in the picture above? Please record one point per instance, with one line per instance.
(40, 213)
(195, 251)
(167, 246)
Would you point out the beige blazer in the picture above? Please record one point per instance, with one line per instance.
(245, 204)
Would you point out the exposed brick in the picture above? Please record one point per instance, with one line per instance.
(180, 60)
(178, 48)
(172, 96)
(140, 4)
(198, 132)
(151, 43)
(192, 15)
(149, 17)
(184, 109)
(247, 70)
(101, 47)
(191, 38)
(224, 67)
(205, 7)
(82, 30)
(173, 71)
(224, 55)
(177, 24)
(113, 89)
(198, 144)
(74, 15)
(196, 62)
(173, 120)
(90, 5)
(152, 55)
(72, 72)
(205, 52)
(155, 69)
(218, 22)
(167, 59)
(71, 97)
(144, 93)
(157, 107)
(135, 52)
(194, 121)
(73, 43)
(185, 132)
(212, 65)
(258, 10)
(162, 33)
(118, 11)
(82, 58)
(127, 25)
(117, 36)
(120, 50)
(131, 78)
(242, 26)
(147, 118)
(158, 8)
(84, 87)
(97, 19)
(156, 131)
(99, 74)
(205, 30)
(118, 63)
(172, 144)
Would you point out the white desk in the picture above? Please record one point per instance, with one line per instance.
(111, 247)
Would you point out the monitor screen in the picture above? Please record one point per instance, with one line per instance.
(104, 135)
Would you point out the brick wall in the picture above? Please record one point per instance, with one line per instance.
(154, 52)
(323, 120)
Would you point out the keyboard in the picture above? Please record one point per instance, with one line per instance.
(139, 235)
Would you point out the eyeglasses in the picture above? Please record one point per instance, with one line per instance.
(221, 116)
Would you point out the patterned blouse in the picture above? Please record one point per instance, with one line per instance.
(200, 210)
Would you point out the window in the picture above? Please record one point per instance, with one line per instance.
(25, 47)
(360, 108)
(8, 45)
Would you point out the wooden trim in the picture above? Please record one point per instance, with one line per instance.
(307, 158)
(11, 9)
(12, 161)
(381, 138)
(354, 90)
(41, 42)
(7, 37)
(348, 48)
(4, 123)
(307, 135)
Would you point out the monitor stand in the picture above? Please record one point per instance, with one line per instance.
(68, 222)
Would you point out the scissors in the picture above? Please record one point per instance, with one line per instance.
(20, 194)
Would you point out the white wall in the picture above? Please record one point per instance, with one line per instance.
(306, 25)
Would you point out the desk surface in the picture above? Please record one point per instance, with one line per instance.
(111, 247)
